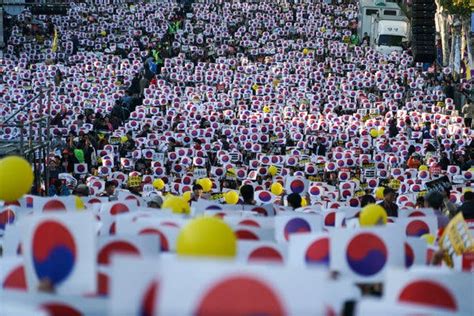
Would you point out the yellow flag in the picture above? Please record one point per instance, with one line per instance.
(54, 48)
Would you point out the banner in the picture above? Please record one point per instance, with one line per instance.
(456, 238)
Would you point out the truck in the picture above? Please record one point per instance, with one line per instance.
(386, 25)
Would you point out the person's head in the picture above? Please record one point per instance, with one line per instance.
(434, 200)
(247, 193)
(82, 190)
(389, 195)
(155, 202)
(367, 199)
(146, 127)
(294, 200)
(110, 187)
(468, 196)
(197, 190)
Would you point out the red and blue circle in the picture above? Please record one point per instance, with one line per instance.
(366, 254)
(318, 252)
(297, 186)
(417, 228)
(296, 225)
(54, 251)
(315, 190)
(264, 196)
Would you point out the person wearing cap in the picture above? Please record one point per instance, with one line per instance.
(388, 203)
(155, 202)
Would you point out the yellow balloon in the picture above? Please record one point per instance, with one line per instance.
(123, 139)
(379, 193)
(304, 202)
(206, 237)
(231, 197)
(187, 196)
(423, 168)
(380, 132)
(272, 170)
(374, 133)
(372, 215)
(430, 238)
(471, 169)
(276, 188)
(305, 51)
(79, 204)
(16, 178)
(176, 204)
(158, 184)
(206, 184)
(266, 109)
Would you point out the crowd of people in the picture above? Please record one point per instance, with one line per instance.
(246, 78)
(249, 95)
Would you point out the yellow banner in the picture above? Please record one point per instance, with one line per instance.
(54, 48)
(456, 238)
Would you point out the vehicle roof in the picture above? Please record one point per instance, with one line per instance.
(371, 3)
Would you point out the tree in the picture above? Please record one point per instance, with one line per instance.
(450, 13)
